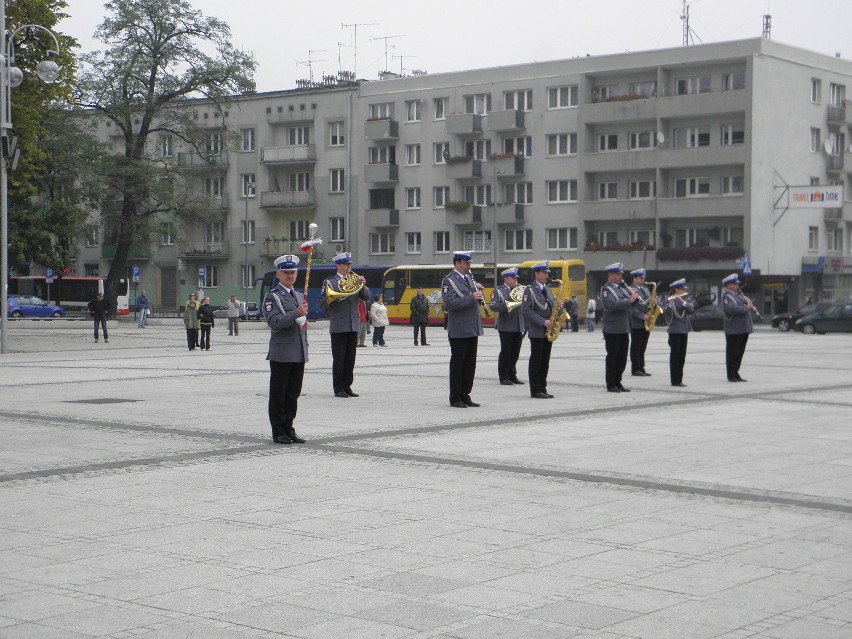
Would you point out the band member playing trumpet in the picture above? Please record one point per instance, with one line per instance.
(616, 299)
(638, 316)
(736, 316)
(510, 327)
(343, 323)
(462, 298)
(538, 308)
(676, 313)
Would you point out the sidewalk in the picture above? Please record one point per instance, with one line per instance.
(140, 495)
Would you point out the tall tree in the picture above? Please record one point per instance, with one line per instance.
(156, 59)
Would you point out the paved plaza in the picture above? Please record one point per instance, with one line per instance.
(141, 496)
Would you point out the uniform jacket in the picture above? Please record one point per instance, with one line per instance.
(677, 316)
(205, 315)
(420, 310)
(343, 313)
(190, 315)
(288, 342)
(640, 308)
(537, 307)
(463, 318)
(510, 322)
(616, 304)
(736, 314)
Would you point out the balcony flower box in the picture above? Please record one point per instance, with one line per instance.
(457, 206)
(698, 253)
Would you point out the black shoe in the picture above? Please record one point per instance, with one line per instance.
(680, 384)
(295, 438)
(549, 396)
(733, 379)
(621, 387)
(540, 396)
(349, 392)
(515, 380)
(740, 379)
(646, 373)
(282, 439)
(342, 394)
(506, 382)
(360, 345)
(425, 344)
(640, 374)
(613, 389)
(106, 341)
(416, 344)
(471, 403)
(458, 404)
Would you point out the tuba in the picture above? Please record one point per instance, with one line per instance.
(654, 309)
(558, 316)
(348, 286)
(516, 298)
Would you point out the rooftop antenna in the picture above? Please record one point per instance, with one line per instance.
(355, 40)
(386, 38)
(767, 26)
(689, 34)
(310, 62)
(401, 70)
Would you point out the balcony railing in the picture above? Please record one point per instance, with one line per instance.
(838, 114)
(287, 199)
(470, 216)
(510, 213)
(381, 217)
(380, 173)
(465, 170)
(206, 161)
(288, 154)
(512, 120)
(203, 250)
(381, 129)
(464, 123)
(504, 167)
(834, 163)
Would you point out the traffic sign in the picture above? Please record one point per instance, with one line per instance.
(201, 273)
(746, 268)
(48, 277)
(136, 271)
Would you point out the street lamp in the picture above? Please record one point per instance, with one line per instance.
(11, 77)
(250, 192)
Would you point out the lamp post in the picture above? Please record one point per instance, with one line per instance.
(11, 77)
(249, 193)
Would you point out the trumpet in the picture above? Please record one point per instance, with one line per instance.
(348, 286)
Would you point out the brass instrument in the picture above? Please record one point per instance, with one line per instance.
(516, 298)
(558, 316)
(654, 310)
(348, 285)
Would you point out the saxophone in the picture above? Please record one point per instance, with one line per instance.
(558, 316)
(654, 309)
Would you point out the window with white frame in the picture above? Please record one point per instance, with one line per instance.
(815, 137)
(211, 276)
(640, 237)
(562, 97)
(92, 270)
(696, 84)
(836, 94)
(732, 236)
(816, 90)
(299, 182)
(215, 232)
(518, 193)
(642, 139)
(608, 191)
(607, 239)
(478, 194)
(834, 240)
(336, 229)
(691, 187)
(733, 185)
(733, 81)
(336, 179)
(248, 274)
(561, 191)
(382, 155)
(684, 238)
(478, 103)
(412, 110)
(412, 242)
(382, 243)
(412, 154)
(299, 229)
(562, 239)
(518, 100)
(91, 235)
(477, 241)
(247, 232)
(298, 135)
(692, 137)
(440, 196)
(412, 197)
(442, 241)
(608, 142)
(478, 149)
(247, 185)
(813, 238)
(167, 234)
(642, 189)
(167, 145)
(608, 91)
(213, 144)
(214, 186)
(440, 108)
(522, 146)
(732, 134)
(518, 239)
(645, 89)
(381, 111)
(441, 152)
(248, 139)
(336, 134)
(562, 144)
(814, 181)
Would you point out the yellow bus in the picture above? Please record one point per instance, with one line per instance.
(401, 283)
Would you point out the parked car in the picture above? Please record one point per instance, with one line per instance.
(250, 308)
(837, 318)
(785, 321)
(32, 306)
(709, 318)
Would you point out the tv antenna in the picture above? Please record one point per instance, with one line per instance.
(401, 70)
(689, 35)
(386, 38)
(354, 27)
(310, 62)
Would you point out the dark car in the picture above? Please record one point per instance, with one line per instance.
(837, 318)
(246, 308)
(32, 306)
(709, 318)
(785, 321)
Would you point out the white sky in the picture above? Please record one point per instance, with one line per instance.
(450, 35)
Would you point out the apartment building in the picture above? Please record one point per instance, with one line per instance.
(679, 159)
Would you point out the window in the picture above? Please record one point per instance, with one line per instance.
(478, 103)
(211, 277)
(692, 137)
(298, 182)
(685, 238)
(836, 94)
(641, 238)
(298, 135)
(520, 193)
(816, 90)
(562, 239)
(299, 229)
(381, 111)
(642, 140)
(248, 139)
(733, 81)
(478, 149)
(813, 238)
(732, 184)
(440, 105)
(518, 100)
(412, 242)
(608, 91)
(562, 144)
(561, 191)
(382, 198)
(412, 197)
(92, 270)
(442, 241)
(214, 186)
(477, 241)
(382, 155)
(412, 111)
(732, 134)
(519, 239)
(699, 84)
(478, 194)
(815, 135)
(248, 236)
(336, 181)
(167, 145)
(167, 234)
(215, 230)
(92, 235)
(522, 147)
(336, 226)
(647, 89)
(607, 239)
(834, 240)
(692, 187)
(336, 136)
(247, 185)
(732, 236)
(442, 152)
(247, 275)
(412, 154)
(814, 181)
(608, 142)
(608, 191)
(440, 195)
(213, 144)
(382, 243)
(643, 189)
(562, 97)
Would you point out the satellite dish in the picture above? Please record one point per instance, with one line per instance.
(827, 146)
(661, 137)
(850, 148)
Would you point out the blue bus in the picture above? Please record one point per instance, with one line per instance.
(320, 273)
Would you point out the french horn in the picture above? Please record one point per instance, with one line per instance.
(347, 286)
(516, 298)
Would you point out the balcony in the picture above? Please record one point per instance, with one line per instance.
(623, 160)
(204, 251)
(701, 104)
(506, 167)
(701, 156)
(302, 154)
(832, 214)
(464, 169)
(207, 161)
(505, 121)
(510, 213)
(464, 123)
(618, 110)
(834, 163)
(221, 201)
(136, 251)
(381, 173)
(289, 117)
(471, 216)
(287, 199)
(839, 115)
(624, 209)
(381, 130)
(702, 207)
(381, 218)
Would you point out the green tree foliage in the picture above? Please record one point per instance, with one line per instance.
(160, 54)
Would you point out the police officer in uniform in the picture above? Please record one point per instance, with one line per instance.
(286, 312)
(616, 300)
(676, 313)
(343, 324)
(462, 298)
(737, 320)
(638, 315)
(537, 307)
(510, 327)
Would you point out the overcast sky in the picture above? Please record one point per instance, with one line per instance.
(449, 35)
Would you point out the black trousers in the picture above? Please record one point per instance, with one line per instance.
(539, 366)
(101, 321)
(638, 344)
(617, 345)
(422, 329)
(205, 336)
(677, 356)
(191, 338)
(510, 350)
(462, 367)
(343, 349)
(285, 386)
(735, 346)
